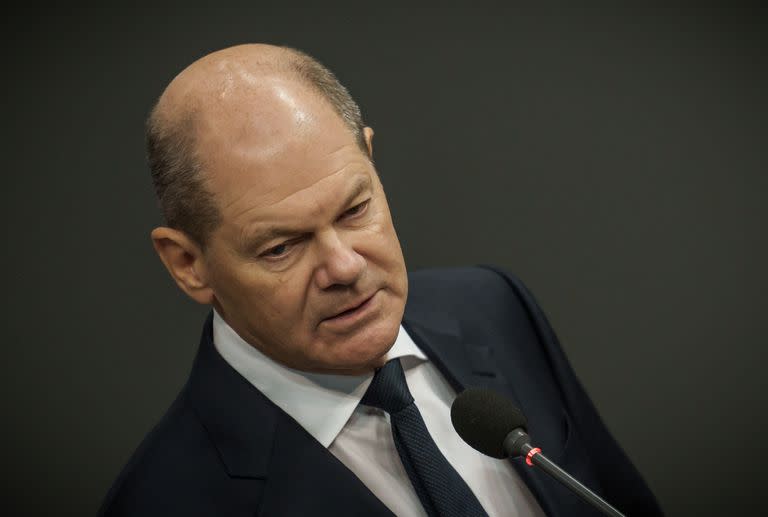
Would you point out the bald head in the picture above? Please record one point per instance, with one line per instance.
(249, 99)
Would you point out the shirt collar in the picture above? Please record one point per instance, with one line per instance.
(320, 403)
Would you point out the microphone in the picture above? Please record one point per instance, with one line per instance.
(493, 425)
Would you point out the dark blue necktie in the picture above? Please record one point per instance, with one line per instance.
(440, 488)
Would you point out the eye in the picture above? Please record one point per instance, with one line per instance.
(278, 251)
(356, 210)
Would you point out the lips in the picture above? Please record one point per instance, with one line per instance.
(350, 308)
(354, 316)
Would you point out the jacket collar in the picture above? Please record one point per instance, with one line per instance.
(256, 439)
(462, 363)
(240, 420)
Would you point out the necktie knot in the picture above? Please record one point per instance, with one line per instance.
(388, 390)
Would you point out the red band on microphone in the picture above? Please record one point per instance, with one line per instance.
(530, 455)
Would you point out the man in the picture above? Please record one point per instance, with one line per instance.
(277, 218)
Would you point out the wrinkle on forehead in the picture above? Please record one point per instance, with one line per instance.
(286, 191)
(303, 209)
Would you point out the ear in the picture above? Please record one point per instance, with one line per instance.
(185, 261)
(368, 134)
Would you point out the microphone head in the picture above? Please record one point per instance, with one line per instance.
(484, 418)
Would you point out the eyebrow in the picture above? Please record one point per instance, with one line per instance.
(255, 241)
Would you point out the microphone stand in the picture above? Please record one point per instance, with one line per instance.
(516, 444)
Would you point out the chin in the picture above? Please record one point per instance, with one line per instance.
(365, 350)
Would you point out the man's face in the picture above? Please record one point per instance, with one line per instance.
(306, 265)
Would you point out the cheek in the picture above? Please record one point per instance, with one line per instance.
(283, 303)
(385, 246)
(263, 302)
(285, 300)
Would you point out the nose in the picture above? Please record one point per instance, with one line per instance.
(340, 263)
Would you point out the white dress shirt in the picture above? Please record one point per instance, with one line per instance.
(328, 407)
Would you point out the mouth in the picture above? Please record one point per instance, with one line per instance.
(352, 314)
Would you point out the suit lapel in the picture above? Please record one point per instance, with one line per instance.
(257, 440)
(306, 479)
(239, 419)
(463, 364)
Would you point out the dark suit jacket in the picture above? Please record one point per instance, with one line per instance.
(224, 449)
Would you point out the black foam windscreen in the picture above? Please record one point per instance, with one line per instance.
(483, 418)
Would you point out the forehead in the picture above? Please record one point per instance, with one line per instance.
(284, 151)
(300, 196)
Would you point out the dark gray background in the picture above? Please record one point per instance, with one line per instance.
(614, 159)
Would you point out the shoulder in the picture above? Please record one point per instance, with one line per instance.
(175, 471)
(467, 276)
(484, 304)
(487, 290)
(459, 282)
